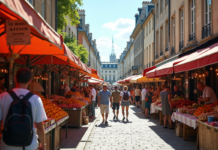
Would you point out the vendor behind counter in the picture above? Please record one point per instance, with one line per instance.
(176, 92)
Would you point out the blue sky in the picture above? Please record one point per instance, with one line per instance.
(111, 18)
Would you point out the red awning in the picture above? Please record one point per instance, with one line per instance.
(125, 80)
(148, 69)
(44, 40)
(206, 57)
(168, 68)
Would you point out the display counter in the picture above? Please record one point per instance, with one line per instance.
(207, 137)
(189, 123)
(75, 116)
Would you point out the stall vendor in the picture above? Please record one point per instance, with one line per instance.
(73, 89)
(176, 92)
(61, 90)
(208, 96)
(2, 82)
(66, 88)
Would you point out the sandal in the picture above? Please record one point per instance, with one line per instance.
(165, 127)
(106, 122)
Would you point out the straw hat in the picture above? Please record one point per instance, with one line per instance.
(104, 84)
(125, 87)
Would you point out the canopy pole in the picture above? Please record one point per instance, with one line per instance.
(45, 82)
(69, 78)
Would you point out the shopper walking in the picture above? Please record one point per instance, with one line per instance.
(124, 98)
(93, 96)
(22, 130)
(103, 103)
(143, 95)
(137, 94)
(166, 106)
(116, 102)
(132, 96)
(148, 101)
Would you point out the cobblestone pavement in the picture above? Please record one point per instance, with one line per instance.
(137, 134)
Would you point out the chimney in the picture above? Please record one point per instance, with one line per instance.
(82, 17)
(140, 10)
(87, 27)
(136, 18)
(90, 35)
(145, 3)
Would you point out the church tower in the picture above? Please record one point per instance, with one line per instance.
(113, 55)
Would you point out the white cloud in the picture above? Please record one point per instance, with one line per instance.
(104, 45)
(124, 27)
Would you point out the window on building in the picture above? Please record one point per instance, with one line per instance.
(166, 34)
(173, 31)
(105, 65)
(109, 65)
(109, 71)
(113, 71)
(114, 77)
(31, 2)
(166, 2)
(43, 8)
(161, 38)
(109, 77)
(157, 10)
(192, 16)
(161, 6)
(182, 25)
(51, 12)
(114, 65)
(157, 43)
(106, 78)
(207, 11)
(105, 71)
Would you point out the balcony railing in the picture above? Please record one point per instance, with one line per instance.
(172, 51)
(206, 31)
(166, 49)
(135, 67)
(191, 37)
(156, 56)
(88, 63)
(181, 45)
(161, 53)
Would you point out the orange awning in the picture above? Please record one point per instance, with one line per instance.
(44, 40)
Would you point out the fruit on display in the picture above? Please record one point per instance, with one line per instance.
(69, 103)
(69, 93)
(203, 109)
(52, 111)
(214, 104)
(177, 98)
(181, 103)
(56, 97)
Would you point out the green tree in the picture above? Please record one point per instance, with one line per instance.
(78, 50)
(68, 8)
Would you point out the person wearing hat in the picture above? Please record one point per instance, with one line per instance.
(103, 103)
(116, 101)
(125, 96)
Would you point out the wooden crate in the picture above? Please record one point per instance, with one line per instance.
(48, 140)
(161, 117)
(207, 137)
(75, 116)
(188, 131)
(57, 137)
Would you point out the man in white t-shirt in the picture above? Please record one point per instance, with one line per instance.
(93, 99)
(23, 79)
(66, 88)
(124, 98)
(208, 96)
(143, 95)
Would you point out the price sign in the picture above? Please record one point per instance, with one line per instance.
(18, 32)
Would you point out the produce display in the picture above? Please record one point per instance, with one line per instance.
(69, 103)
(52, 111)
(182, 103)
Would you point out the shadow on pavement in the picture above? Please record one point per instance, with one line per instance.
(103, 125)
(74, 137)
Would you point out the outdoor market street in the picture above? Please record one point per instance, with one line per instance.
(138, 134)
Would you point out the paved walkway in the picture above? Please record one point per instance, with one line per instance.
(137, 134)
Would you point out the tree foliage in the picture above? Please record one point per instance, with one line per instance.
(78, 50)
(68, 8)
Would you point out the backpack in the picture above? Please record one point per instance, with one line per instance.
(18, 127)
(125, 96)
